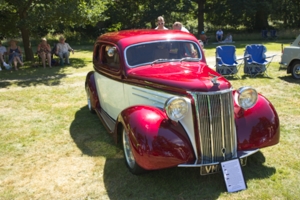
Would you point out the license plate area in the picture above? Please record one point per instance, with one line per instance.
(212, 169)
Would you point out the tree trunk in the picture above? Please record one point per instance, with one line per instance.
(201, 4)
(27, 45)
(261, 20)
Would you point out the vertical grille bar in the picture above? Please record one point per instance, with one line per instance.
(216, 126)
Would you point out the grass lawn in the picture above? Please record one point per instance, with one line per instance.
(51, 147)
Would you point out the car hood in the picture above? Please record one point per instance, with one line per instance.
(190, 76)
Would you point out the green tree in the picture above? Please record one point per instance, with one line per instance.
(30, 17)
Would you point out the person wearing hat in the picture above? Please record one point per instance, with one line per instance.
(203, 37)
(14, 54)
(44, 52)
(63, 51)
(2, 53)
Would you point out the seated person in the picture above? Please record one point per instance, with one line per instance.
(228, 38)
(219, 35)
(2, 53)
(14, 54)
(63, 51)
(179, 26)
(203, 38)
(44, 51)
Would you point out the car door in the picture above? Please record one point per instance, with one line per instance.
(109, 84)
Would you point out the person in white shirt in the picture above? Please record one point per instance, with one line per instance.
(228, 38)
(160, 24)
(219, 35)
(63, 51)
(179, 26)
(2, 52)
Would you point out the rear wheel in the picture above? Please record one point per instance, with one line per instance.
(129, 158)
(88, 97)
(296, 70)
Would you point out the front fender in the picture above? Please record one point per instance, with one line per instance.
(257, 127)
(156, 141)
(91, 85)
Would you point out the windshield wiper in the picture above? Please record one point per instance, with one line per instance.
(160, 61)
(189, 59)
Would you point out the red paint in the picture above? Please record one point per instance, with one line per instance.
(189, 76)
(257, 127)
(156, 142)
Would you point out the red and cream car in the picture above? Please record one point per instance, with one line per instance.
(155, 94)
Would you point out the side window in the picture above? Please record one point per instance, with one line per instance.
(110, 57)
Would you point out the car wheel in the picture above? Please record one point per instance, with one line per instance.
(134, 168)
(88, 97)
(296, 70)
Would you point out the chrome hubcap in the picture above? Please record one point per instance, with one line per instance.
(127, 150)
(297, 70)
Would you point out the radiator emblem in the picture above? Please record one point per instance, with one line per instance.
(214, 80)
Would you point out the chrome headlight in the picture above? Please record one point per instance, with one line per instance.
(176, 108)
(246, 97)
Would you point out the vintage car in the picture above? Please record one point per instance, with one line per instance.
(155, 94)
(290, 58)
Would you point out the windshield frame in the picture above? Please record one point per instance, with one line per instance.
(157, 41)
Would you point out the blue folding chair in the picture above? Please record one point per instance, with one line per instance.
(255, 60)
(226, 62)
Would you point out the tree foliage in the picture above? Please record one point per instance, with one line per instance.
(38, 17)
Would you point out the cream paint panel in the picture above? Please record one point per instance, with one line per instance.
(111, 95)
(115, 96)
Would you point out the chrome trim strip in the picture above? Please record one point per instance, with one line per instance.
(162, 102)
(148, 92)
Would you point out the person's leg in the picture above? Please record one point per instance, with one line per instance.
(67, 55)
(43, 58)
(61, 58)
(49, 59)
(19, 60)
(15, 62)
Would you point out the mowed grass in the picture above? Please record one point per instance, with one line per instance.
(52, 147)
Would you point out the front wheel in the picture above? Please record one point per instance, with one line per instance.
(296, 70)
(134, 168)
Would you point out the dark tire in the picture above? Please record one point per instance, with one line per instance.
(133, 167)
(88, 97)
(296, 70)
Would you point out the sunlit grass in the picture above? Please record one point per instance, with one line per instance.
(52, 147)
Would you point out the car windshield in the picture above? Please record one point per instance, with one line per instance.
(162, 51)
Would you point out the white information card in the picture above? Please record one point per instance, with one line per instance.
(233, 175)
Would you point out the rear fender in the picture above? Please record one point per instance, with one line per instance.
(91, 85)
(257, 127)
(156, 141)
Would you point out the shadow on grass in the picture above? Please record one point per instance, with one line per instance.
(32, 76)
(289, 79)
(92, 139)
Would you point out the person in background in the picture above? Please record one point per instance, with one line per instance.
(219, 35)
(63, 51)
(203, 38)
(2, 53)
(179, 26)
(228, 38)
(14, 54)
(160, 24)
(44, 52)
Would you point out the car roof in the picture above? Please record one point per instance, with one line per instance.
(129, 37)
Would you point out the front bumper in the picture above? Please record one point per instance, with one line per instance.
(240, 155)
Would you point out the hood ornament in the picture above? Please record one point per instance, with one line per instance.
(214, 80)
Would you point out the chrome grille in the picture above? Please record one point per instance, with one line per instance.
(217, 132)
